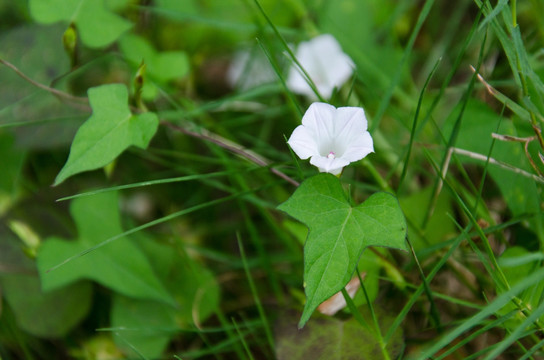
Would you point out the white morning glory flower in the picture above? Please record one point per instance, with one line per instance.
(325, 63)
(332, 138)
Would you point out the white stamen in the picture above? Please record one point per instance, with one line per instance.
(331, 155)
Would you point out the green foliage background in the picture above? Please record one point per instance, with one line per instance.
(162, 236)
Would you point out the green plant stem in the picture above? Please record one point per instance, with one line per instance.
(361, 320)
(434, 312)
(383, 345)
(514, 15)
(242, 340)
(260, 309)
(377, 176)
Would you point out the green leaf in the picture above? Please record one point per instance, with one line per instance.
(338, 234)
(120, 265)
(96, 24)
(162, 66)
(193, 286)
(50, 314)
(149, 325)
(108, 132)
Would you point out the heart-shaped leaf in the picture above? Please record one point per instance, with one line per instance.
(120, 265)
(97, 25)
(110, 130)
(338, 234)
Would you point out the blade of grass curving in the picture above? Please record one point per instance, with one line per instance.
(477, 354)
(493, 14)
(523, 66)
(231, 336)
(377, 329)
(264, 256)
(489, 230)
(517, 333)
(255, 294)
(501, 282)
(450, 37)
(435, 316)
(152, 223)
(414, 126)
(241, 183)
(215, 350)
(217, 105)
(494, 266)
(154, 182)
(454, 134)
(353, 309)
(234, 262)
(453, 70)
(504, 39)
(242, 340)
(289, 51)
(505, 100)
(525, 71)
(493, 324)
(534, 349)
(445, 297)
(396, 77)
(292, 100)
(522, 260)
(484, 175)
(497, 304)
(493, 269)
(402, 314)
(211, 182)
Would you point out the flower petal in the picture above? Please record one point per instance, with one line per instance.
(333, 166)
(319, 118)
(361, 147)
(303, 143)
(351, 118)
(324, 62)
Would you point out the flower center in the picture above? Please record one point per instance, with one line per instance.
(331, 155)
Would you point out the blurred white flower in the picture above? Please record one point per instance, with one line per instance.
(248, 69)
(325, 63)
(332, 138)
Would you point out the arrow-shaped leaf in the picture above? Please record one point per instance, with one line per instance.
(97, 25)
(108, 132)
(338, 234)
(120, 265)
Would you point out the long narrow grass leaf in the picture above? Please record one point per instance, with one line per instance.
(489, 310)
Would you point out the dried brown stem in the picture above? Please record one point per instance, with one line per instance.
(232, 147)
(526, 141)
(59, 93)
(202, 134)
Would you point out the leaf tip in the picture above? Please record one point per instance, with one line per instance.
(306, 314)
